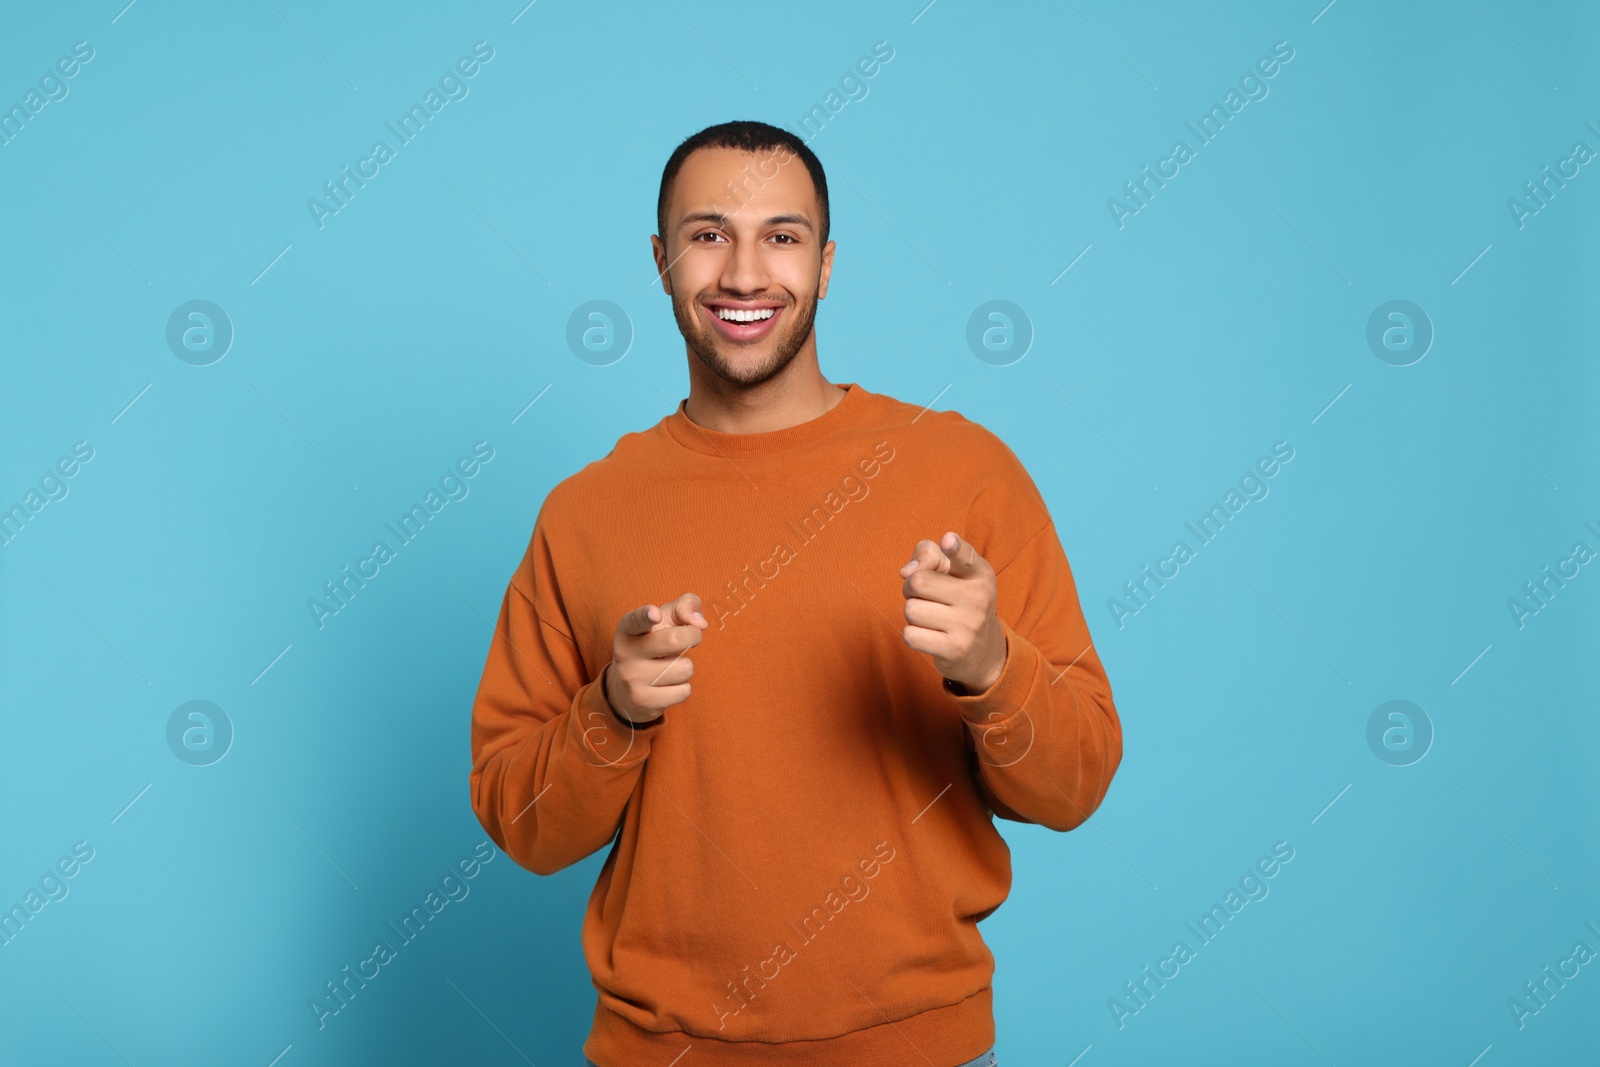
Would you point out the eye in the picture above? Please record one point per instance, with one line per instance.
(787, 237)
(708, 233)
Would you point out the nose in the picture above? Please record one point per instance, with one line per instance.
(744, 270)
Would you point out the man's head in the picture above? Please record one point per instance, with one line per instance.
(743, 233)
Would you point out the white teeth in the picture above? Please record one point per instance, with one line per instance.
(736, 315)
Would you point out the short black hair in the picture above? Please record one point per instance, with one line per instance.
(743, 136)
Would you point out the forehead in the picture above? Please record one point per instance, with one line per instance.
(707, 174)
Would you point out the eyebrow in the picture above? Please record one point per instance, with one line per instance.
(720, 219)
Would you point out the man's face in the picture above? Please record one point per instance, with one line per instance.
(742, 243)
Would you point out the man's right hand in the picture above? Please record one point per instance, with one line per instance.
(649, 671)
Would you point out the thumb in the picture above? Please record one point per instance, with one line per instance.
(925, 556)
(640, 620)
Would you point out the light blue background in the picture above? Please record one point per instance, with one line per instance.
(1225, 316)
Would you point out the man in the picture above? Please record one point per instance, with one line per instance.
(886, 651)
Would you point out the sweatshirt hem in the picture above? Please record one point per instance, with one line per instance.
(600, 738)
(944, 1036)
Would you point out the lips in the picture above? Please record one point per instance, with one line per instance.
(743, 331)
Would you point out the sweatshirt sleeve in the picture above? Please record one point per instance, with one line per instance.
(552, 766)
(1046, 735)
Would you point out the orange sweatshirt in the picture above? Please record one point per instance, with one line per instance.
(802, 850)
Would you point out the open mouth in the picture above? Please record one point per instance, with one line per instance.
(743, 323)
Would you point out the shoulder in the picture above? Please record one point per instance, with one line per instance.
(962, 445)
(983, 444)
(590, 498)
(634, 459)
(946, 427)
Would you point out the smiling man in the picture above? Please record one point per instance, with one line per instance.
(886, 652)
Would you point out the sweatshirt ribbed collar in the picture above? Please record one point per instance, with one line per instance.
(710, 442)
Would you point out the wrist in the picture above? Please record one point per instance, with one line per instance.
(986, 682)
(605, 678)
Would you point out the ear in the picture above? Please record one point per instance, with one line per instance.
(658, 251)
(826, 271)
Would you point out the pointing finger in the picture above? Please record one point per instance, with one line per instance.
(964, 559)
(685, 611)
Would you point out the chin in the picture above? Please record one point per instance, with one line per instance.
(748, 373)
(742, 365)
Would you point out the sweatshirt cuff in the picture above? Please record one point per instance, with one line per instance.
(599, 737)
(1009, 693)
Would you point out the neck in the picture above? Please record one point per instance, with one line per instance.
(798, 393)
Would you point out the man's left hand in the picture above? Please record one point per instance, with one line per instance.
(950, 609)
